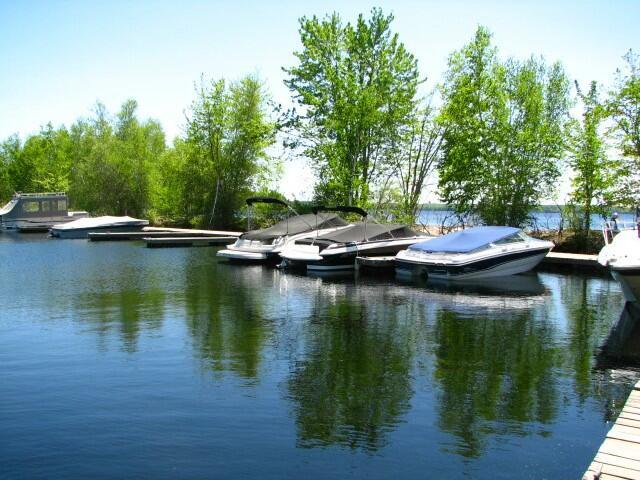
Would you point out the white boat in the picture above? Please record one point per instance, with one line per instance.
(37, 212)
(474, 253)
(266, 244)
(338, 250)
(82, 227)
(621, 254)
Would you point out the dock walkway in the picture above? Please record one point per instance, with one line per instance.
(619, 455)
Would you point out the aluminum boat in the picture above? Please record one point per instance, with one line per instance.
(338, 250)
(474, 253)
(37, 212)
(82, 227)
(266, 244)
(621, 254)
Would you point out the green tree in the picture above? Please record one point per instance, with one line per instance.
(112, 159)
(355, 85)
(14, 174)
(417, 159)
(624, 109)
(504, 132)
(228, 132)
(593, 170)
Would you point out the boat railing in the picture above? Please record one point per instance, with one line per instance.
(611, 228)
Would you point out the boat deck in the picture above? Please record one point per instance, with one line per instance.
(619, 455)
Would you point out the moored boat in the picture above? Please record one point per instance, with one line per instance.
(474, 253)
(37, 212)
(338, 250)
(621, 254)
(82, 227)
(265, 245)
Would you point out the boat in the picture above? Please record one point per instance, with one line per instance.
(338, 250)
(265, 245)
(82, 227)
(37, 212)
(621, 254)
(474, 253)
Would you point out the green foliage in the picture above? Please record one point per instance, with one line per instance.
(416, 159)
(112, 159)
(356, 85)
(594, 172)
(228, 132)
(504, 132)
(623, 108)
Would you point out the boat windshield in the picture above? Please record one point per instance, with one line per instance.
(515, 238)
(9, 206)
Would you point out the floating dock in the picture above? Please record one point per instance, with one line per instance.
(204, 241)
(573, 260)
(162, 233)
(619, 455)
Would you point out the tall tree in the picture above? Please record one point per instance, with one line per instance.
(624, 109)
(504, 132)
(355, 85)
(417, 158)
(228, 131)
(593, 171)
(112, 159)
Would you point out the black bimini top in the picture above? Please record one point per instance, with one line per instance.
(374, 232)
(296, 225)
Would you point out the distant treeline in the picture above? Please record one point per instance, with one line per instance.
(498, 142)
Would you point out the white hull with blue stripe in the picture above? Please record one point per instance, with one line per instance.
(473, 254)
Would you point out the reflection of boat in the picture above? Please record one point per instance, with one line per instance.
(82, 227)
(474, 253)
(499, 294)
(622, 345)
(266, 244)
(338, 250)
(36, 212)
(621, 254)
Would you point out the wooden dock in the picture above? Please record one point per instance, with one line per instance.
(205, 241)
(220, 233)
(161, 233)
(619, 455)
(572, 259)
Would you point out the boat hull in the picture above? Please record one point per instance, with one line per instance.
(244, 256)
(491, 267)
(629, 280)
(344, 257)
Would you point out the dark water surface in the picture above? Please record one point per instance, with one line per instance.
(120, 361)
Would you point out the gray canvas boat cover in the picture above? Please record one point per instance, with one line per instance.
(374, 232)
(296, 225)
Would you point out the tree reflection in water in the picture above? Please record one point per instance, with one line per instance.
(354, 384)
(224, 316)
(495, 376)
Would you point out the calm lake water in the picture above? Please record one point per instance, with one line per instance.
(542, 220)
(121, 361)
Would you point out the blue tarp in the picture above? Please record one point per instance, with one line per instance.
(465, 240)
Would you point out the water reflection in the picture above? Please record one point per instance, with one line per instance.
(354, 383)
(224, 315)
(466, 374)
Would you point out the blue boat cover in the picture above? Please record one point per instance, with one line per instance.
(465, 241)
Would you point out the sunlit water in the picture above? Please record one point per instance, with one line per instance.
(121, 361)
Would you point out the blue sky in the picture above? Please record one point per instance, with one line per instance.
(57, 58)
